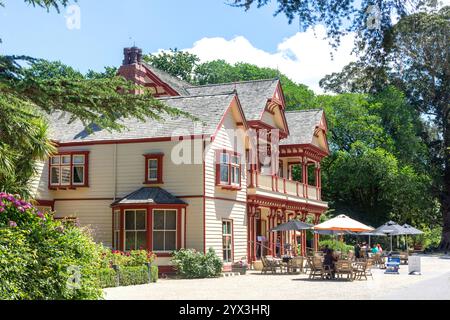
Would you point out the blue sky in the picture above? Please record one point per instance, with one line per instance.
(107, 25)
(209, 28)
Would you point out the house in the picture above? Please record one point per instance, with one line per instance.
(221, 180)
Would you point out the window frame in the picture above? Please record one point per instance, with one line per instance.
(69, 165)
(116, 229)
(232, 166)
(159, 168)
(164, 230)
(125, 230)
(231, 235)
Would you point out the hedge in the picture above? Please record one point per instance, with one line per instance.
(126, 276)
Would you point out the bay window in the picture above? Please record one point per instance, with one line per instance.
(164, 230)
(135, 229)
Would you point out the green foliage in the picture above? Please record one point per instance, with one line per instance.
(190, 263)
(31, 88)
(131, 258)
(107, 277)
(177, 63)
(336, 245)
(133, 275)
(40, 257)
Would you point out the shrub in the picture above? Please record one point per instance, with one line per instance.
(126, 276)
(107, 277)
(190, 263)
(41, 258)
(336, 245)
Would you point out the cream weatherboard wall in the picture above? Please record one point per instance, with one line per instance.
(226, 204)
(116, 170)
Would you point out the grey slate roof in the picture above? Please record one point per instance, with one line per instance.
(175, 83)
(253, 95)
(302, 124)
(149, 195)
(207, 108)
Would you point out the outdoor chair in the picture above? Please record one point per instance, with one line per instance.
(295, 264)
(344, 267)
(404, 257)
(317, 268)
(378, 260)
(363, 270)
(269, 264)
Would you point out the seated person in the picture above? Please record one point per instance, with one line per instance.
(374, 249)
(329, 261)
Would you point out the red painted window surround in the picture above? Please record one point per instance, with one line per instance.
(71, 185)
(159, 158)
(228, 185)
(149, 224)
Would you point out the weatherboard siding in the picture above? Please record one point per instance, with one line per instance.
(225, 204)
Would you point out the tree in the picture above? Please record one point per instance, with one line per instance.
(370, 19)
(31, 88)
(421, 66)
(180, 64)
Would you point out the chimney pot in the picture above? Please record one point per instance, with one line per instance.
(132, 55)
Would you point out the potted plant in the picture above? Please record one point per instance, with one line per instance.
(241, 266)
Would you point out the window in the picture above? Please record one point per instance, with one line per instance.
(228, 169)
(227, 241)
(69, 170)
(153, 168)
(164, 230)
(116, 234)
(135, 229)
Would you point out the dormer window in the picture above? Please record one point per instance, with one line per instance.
(153, 168)
(68, 170)
(228, 169)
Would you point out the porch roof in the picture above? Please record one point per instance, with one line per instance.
(149, 195)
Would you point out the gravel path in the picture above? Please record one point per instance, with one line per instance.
(434, 283)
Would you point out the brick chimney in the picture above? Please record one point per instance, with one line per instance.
(132, 68)
(132, 55)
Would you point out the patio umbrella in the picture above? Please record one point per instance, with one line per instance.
(391, 228)
(371, 234)
(411, 231)
(342, 223)
(292, 225)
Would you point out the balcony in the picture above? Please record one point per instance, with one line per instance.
(281, 188)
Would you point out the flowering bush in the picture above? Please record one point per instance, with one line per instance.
(190, 263)
(41, 258)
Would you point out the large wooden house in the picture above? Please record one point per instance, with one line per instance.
(220, 182)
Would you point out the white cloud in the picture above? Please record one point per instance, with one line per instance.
(303, 57)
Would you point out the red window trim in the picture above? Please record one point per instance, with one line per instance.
(232, 240)
(71, 185)
(149, 215)
(159, 158)
(229, 185)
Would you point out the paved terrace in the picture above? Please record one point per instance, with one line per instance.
(434, 283)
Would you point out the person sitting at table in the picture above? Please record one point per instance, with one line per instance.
(325, 249)
(380, 250)
(357, 251)
(329, 262)
(374, 249)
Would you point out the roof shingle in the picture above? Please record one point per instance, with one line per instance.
(149, 195)
(302, 124)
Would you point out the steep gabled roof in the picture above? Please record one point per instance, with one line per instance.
(252, 94)
(149, 195)
(175, 83)
(302, 125)
(209, 109)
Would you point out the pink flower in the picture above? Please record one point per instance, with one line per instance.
(12, 224)
(2, 204)
(40, 215)
(21, 209)
(2, 209)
